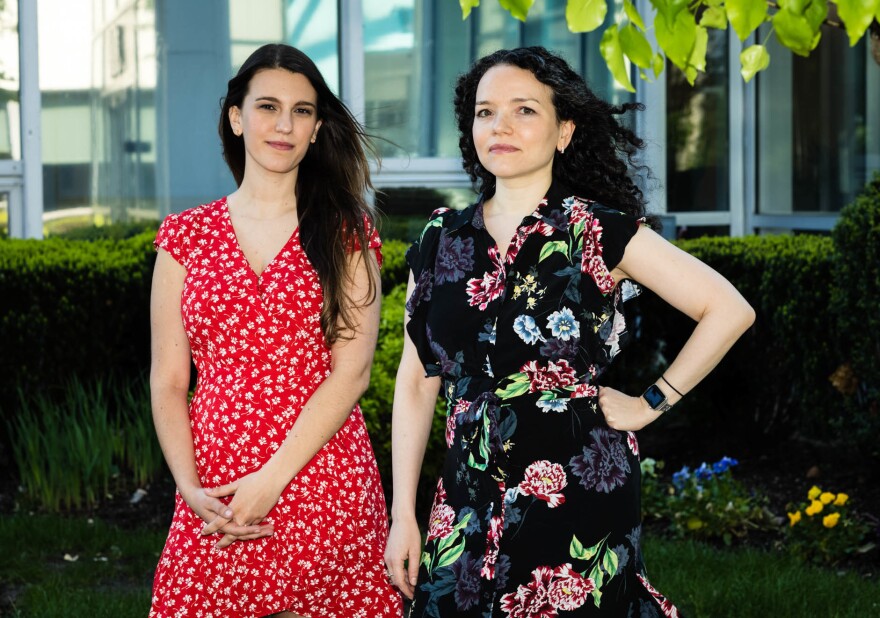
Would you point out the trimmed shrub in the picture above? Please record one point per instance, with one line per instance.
(774, 381)
(856, 307)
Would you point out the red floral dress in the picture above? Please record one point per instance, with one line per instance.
(536, 513)
(260, 354)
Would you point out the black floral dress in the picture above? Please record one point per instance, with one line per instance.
(537, 511)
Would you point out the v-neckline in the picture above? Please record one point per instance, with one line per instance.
(238, 247)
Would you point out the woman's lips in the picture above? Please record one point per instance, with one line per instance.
(502, 148)
(280, 145)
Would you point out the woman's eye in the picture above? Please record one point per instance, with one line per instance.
(268, 106)
(526, 110)
(483, 113)
(306, 111)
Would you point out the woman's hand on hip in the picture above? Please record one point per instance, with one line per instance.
(625, 413)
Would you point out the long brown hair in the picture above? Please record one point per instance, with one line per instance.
(334, 176)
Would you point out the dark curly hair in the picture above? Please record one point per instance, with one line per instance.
(334, 175)
(597, 164)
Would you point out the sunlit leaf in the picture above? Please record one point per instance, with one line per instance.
(517, 8)
(698, 55)
(585, 15)
(857, 15)
(817, 12)
(657, 64)
(633, 14)
(714, 17)
(466, 6)
(679, 39)
(746, 15)
(636, 46)
(795, 6)
(753, 59)
(612, 52)
(794, 32)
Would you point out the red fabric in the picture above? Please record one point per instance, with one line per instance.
(260, 354)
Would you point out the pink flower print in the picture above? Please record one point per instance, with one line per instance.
(493, 541)
(666, 605)
(545, 480)
(461, 407)
(569, 589)
(483, 291)
(585, 390)
(554, 375)
(632, 442)
(442, 522)
(531, 600)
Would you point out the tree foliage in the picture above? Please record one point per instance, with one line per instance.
(680, 30)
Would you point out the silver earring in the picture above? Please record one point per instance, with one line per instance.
(562, 150)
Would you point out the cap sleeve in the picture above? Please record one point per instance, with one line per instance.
(374, 242)
(171, 237)
(606, 235)
(420, 258)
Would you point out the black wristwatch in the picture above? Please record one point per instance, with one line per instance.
(656, 399)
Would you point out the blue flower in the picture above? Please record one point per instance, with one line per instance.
(467, 581)
(724, 464)
(563, 325)
(473, 524)
(553, 405)
(704, 472)
(680, 478)
(528, 331)
(488, 333)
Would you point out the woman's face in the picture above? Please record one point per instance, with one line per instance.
(278, 119)
(516, 131)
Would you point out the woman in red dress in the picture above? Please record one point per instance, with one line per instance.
(273, 292)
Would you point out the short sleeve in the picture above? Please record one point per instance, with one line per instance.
(171, 237)
(616, 229)
(374, 242)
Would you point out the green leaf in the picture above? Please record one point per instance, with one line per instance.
(817, 12)
(452, 554)
(633, 14)
(857, 15)
(517, 8)
(795, 33)
(679, 39)
(714, 17)
(609, 562)
(636, 46)
(746, 15)
(753, 59)
(657, 64)
(557, 246)
(514, 389)
(670, 9)
(466, 6)
(576, 549)
(585, 15)
(698, 55)
(612, 52)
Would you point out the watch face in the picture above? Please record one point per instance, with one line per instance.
(654, 396)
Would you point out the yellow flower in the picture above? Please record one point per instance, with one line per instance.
(794, 518)
(815, 507)
(827, 497)
(841, 499)
(814, 493)
(829, 521)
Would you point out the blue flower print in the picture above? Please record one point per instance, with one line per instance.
(553, 405)
(603, 464)
(527, 329)
(556, 349)
(455, 256)
(563, 325)
(473, 524)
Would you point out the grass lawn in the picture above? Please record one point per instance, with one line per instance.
(113, 570)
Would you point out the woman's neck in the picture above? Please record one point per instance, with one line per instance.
(268, 197)
(517, 199)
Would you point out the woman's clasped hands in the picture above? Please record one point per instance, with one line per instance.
(243, 519)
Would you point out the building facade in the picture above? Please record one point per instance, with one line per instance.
(109, 108)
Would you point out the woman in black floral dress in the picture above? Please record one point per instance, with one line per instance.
(516, 307)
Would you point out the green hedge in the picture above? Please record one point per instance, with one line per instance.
(72, 308)
(856, 307)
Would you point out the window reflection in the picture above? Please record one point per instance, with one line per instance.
(697, 134)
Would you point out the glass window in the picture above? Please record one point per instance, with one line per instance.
(313, 28)
(697, 133)
(10, 128)
(817, 127)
